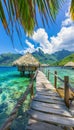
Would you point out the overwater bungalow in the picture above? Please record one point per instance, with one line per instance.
(70, 65)
(27, 63)
(44, 65)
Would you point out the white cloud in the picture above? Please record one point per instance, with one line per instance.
(64, 39)
(18, 51)
(41, 37)
(29, 49)
(67, 22)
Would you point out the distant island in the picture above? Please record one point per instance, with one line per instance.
(59, 58)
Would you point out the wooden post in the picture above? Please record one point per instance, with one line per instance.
(48, 74)
(32, 91)
(66, 90)
(22, 73)
(55, 79)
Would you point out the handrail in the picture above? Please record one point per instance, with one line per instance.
(67, 86)
(35, 75)
(72, 89)
(13, 114)
(58, 77)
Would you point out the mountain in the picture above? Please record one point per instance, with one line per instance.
(66, 60)
(44, 58)
(62, 54)
(6, 59)
(52, 59)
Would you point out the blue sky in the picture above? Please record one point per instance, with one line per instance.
(59, 35)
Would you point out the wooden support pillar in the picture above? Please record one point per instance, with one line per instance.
(22, 73)
(55, 79)
(66, 90)
(48, 74)
(32, 91)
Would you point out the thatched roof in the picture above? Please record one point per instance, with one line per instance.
(27, 60)
(70, 64)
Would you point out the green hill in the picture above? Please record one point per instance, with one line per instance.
(62, 54)
(66, 60)
(6, 59)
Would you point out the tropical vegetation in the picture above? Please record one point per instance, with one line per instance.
(17, 13)
(67, 59)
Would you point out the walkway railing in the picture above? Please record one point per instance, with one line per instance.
(67, 86)
(13, 115)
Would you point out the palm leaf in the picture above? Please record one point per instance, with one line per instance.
(72, 10)
(24, 12)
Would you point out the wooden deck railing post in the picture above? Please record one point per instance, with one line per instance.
(48, 74)
(32, 91)
(55, 79)
(66, 90)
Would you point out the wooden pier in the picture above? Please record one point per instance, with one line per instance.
(48, 110)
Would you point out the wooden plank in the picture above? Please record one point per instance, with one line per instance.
(48, 100)
(48, 93)
(50, 105)
(42, 89)
(45, 89)
(50, 110)
(37, 125)
(49, 97)
(50, 118)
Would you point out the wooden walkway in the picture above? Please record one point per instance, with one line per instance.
(48, 111)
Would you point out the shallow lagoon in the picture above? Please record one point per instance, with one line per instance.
(12, 86)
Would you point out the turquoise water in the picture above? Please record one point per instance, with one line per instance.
(61, 72)
(12, 86)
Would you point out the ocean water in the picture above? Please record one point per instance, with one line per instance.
(61, 72)
(12, 86)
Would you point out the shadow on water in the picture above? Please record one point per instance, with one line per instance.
(3, 114)
(21, 121)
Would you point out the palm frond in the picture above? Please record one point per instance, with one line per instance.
(3, 18)
(24, 13)
(72, 10)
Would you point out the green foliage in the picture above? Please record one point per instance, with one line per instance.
(61, 54)
(66, 60)
(7, 59)
(72, 10)
(24, 13)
